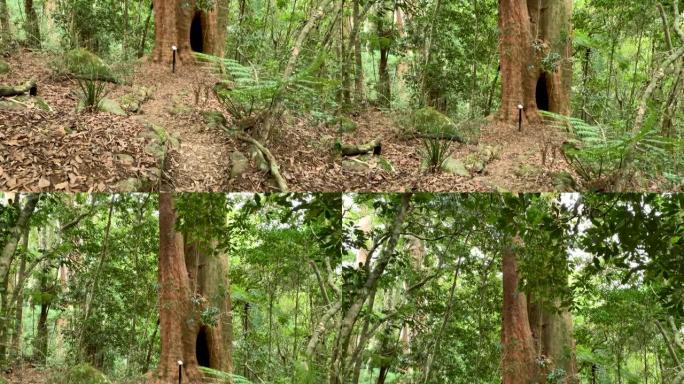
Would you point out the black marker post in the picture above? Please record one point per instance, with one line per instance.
(174, 48)
(180, 362)
(520, 109)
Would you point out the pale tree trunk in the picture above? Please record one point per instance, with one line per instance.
(15, 233)
(518, 357)
(530, 31)
(351, 315)
(358, 71)
(19, 302)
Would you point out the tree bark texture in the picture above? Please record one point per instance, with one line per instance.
(535, 49)
(518, 358)
(192, 277)
(178, 23)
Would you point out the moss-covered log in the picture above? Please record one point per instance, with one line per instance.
(29, 87)
(374, 146)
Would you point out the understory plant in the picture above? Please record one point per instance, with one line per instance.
(605, 158)
(248, 92)
(435, 152)
(92, 93)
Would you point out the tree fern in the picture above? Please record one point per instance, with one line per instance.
(224, 377)
(599, 152)
(249, 91)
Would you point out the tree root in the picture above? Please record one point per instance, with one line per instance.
(374, 146)
(29, 87)
(273, 165)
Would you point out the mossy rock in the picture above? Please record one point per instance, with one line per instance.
(4, 68)
(85, 64)
(132, 102)
(131, 184)
(80, 374)
(7, 105)
(477, 161)
(214, 119)
(345, 124)
(564, 182)
(111, 106)
(455, 166)
(239, 164)
(3, 381)
(432, 123)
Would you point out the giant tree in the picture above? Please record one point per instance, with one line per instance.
(194, 299)
(535, 48)
(198, 26)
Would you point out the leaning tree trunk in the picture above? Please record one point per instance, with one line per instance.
(193, 278)
(518, 358)
(535, 49)
(179, 23)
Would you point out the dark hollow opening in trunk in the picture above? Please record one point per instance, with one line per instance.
(196, 33)
(202, 349)
(542, 94)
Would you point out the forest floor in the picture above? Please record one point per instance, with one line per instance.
(65, 150)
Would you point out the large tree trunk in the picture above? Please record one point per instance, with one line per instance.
(531, 31)
(551, 327)
(192, 277)
(5, 32)
(518, 358)
(178, 23)
(32, 28)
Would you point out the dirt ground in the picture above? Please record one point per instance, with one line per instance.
(70, 151)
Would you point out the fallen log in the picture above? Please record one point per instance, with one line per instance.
(273, 164)
(374, 146)
(29, 87)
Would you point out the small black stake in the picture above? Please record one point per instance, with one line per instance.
(174, 58)
(520, 109)
(180, 363)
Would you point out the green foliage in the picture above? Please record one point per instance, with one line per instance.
(92, 93)
(224, 377)
(435, 151)
(249, 92)
(598, 154)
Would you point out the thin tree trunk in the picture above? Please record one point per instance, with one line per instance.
(351, 315)
(19, 306)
